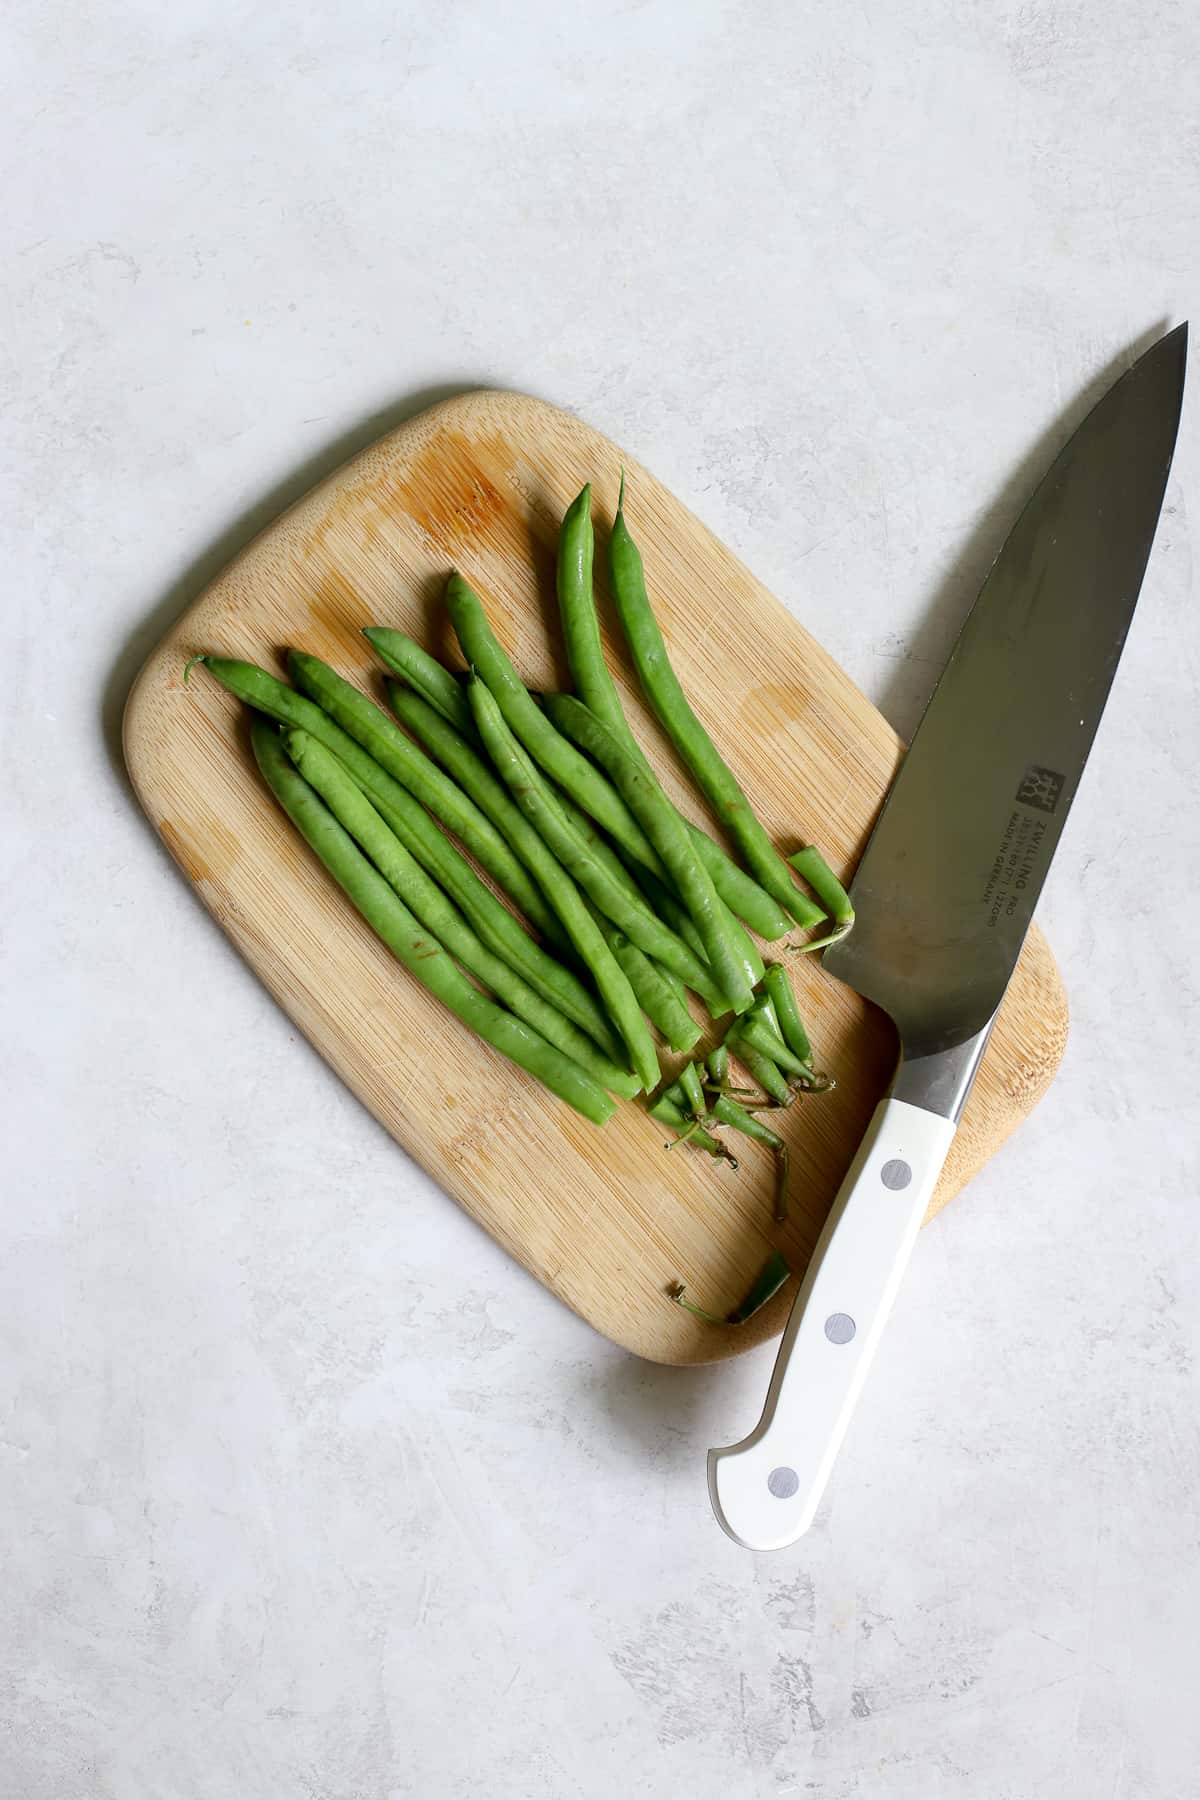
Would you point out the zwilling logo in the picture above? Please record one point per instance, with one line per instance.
(1040, 788)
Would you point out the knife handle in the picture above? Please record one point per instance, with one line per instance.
(766, 1489)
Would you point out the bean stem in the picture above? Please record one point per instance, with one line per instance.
(726, 1111)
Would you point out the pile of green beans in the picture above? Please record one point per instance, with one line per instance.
(600, 907)
(420, 952)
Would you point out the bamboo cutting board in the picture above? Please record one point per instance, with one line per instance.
(606, 1219)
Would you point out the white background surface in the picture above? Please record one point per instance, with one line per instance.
(304, 1489)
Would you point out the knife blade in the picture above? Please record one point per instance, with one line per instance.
(944, 895)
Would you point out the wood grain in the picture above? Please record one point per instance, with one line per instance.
(605, 1219)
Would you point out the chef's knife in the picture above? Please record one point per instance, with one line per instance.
(944, 895)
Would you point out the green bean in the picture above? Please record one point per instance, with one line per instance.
(633, 779)
(727, 1112)
(411, 943)
(538, 802)
(615, 991)
(761, 1068)
(457, 751)
(435, 684)
(744, 896)
(492, 920)
(791, 1025)
(685, 1099)
(771, 1278)
(355, 813)
(662, 689)
(766, 1285)
(717, 1107)
(661, 996)
(812, 867)
(690, 1130)
(581, 626)
(600, 846)
(764, 1007)
(577, 776)
(693, 1092)
(349, 707)
(669, 907)
(672, 981)
(757, 1033)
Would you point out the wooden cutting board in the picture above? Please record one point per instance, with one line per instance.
(606, 1219)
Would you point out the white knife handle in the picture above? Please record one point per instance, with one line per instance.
(766, 1489)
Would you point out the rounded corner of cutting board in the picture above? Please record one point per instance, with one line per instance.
(602, 1219)
(137, 730)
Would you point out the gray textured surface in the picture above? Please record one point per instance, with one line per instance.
(304, 1490)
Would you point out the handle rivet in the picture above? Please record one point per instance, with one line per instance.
(895, 1174)
(840, 1328)
(783, 1483)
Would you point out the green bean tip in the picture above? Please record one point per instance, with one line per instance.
(190, 664)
